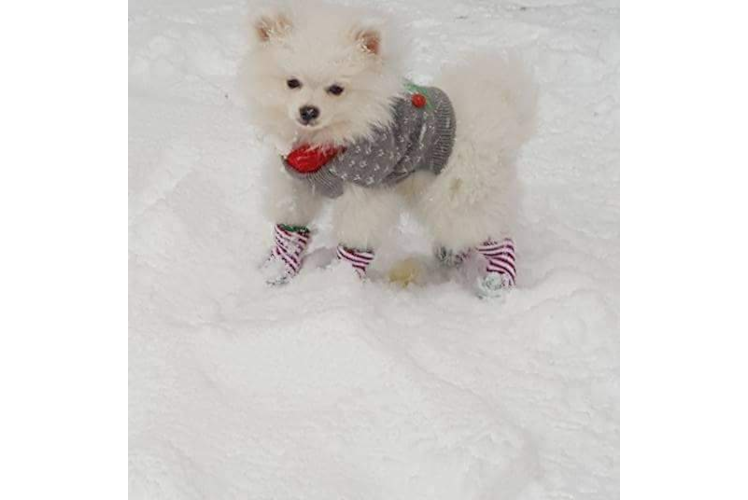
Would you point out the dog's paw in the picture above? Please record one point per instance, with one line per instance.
(448, 258)
(275, 272)
(493, 285)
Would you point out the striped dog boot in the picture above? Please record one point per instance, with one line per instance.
(501, 271)
(287, 256)
(359, 259)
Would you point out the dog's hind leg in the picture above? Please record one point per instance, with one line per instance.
(470, 208)
(472, 204)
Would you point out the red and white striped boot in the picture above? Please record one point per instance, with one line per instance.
(501, 271)
(286, 258)
(359, 259)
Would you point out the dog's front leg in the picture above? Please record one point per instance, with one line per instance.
(291, 205)
(362, 219)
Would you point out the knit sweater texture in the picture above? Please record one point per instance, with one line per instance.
(418, 138)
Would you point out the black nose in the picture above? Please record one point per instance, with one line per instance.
(309, 113)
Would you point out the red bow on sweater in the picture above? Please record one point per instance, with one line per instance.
(307, 159)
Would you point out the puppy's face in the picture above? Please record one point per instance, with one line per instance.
(318, 80)
(314, 98)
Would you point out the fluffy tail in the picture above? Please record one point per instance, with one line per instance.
(495, 100)
(521, 94)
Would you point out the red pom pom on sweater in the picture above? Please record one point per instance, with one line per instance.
(418, 100)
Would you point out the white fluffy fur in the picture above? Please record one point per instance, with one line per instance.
(474, 197)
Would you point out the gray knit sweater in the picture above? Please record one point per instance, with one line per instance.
(419, 138)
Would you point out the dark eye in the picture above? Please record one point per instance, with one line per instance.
(293, 83)
(335, 89)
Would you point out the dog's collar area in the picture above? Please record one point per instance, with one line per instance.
(418, 95)
(308, 159)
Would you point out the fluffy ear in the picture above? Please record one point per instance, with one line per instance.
(271, 26)
(369, 39)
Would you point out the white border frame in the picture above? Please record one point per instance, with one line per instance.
(683, 269)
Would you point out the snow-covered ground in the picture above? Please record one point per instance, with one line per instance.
(329, 388)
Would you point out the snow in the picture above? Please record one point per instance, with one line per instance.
(330, 388)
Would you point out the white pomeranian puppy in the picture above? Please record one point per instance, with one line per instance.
(325, 83)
